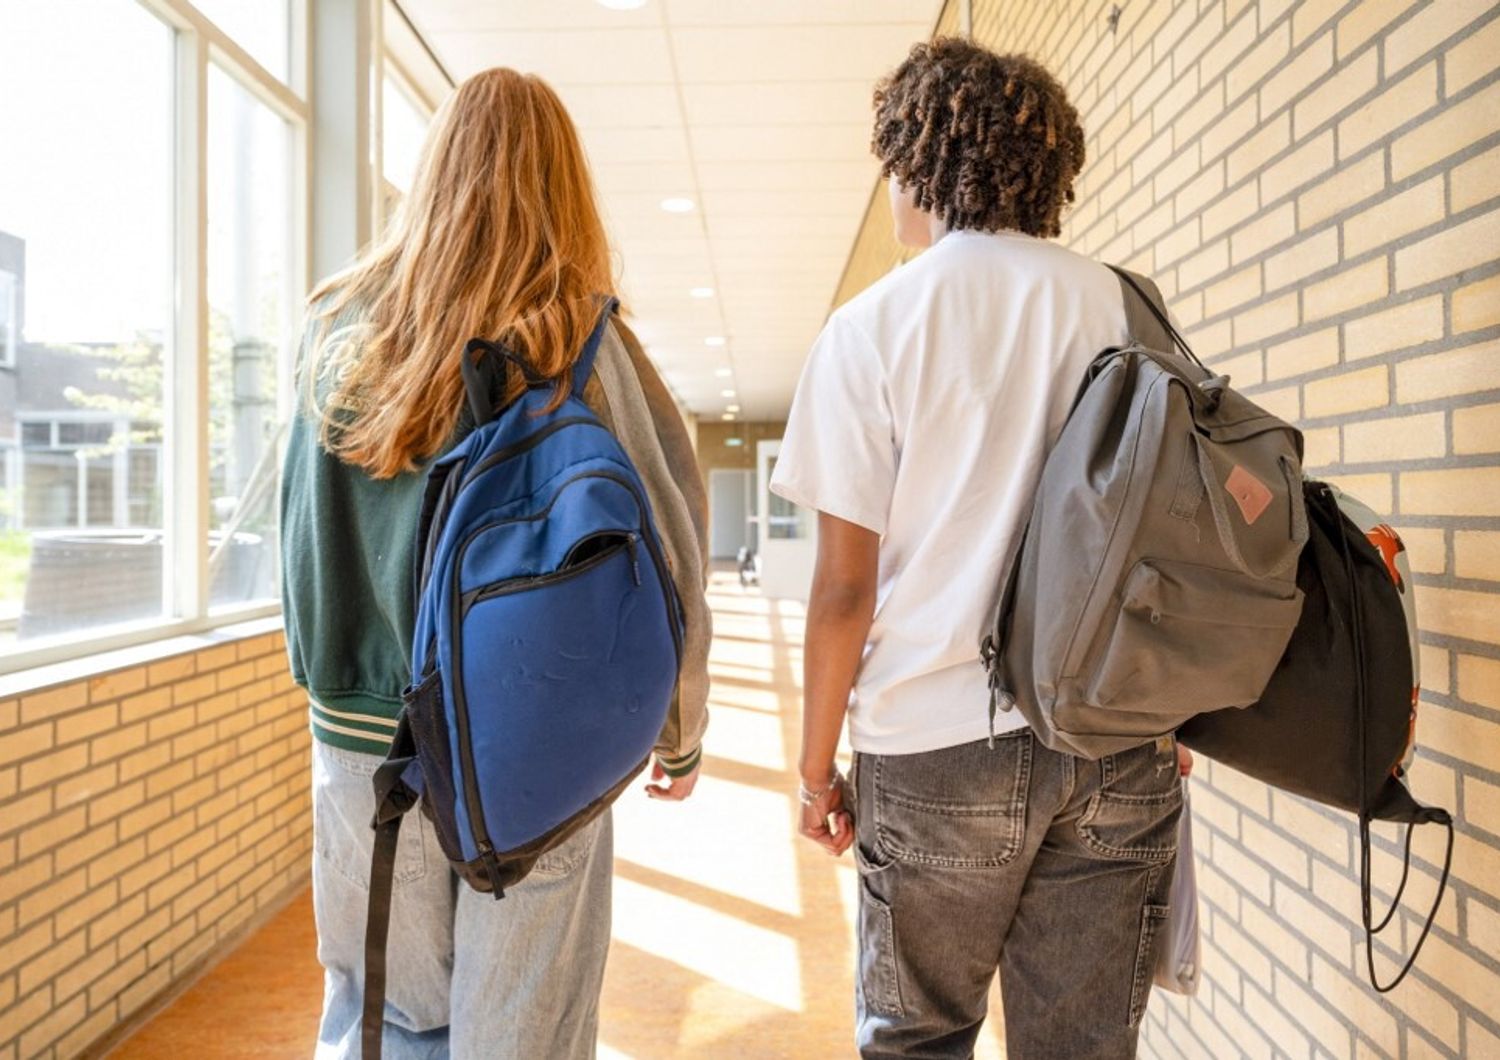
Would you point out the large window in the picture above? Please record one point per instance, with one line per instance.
(149, 274)
(87, 238)
(154, 241)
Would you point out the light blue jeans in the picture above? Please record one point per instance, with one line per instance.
(468, 977)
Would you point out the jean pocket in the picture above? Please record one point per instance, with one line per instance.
(569, 854)
(879, 988)
(1153, 922)
(1129, 827)
(343, 808)
(1147, 770)
(960, 807)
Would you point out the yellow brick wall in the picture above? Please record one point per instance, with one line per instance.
(147, 815)
(1315, 185)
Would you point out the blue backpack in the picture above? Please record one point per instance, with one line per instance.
(547, 643)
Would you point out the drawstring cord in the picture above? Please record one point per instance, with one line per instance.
(1367, 916)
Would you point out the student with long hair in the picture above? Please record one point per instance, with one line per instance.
(919, 430)
(500, 238)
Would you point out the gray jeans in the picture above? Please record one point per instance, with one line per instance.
(1052, 869)
(468, 977)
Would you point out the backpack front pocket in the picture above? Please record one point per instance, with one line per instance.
(577, 672)
(1189, 639)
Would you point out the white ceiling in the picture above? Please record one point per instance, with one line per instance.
(758, 111)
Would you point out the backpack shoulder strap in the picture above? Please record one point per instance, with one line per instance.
(1146, 315)
(584, 367)
(393, 798)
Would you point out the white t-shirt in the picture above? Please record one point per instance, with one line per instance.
(925, 412)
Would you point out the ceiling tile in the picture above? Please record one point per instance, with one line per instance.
(840, 175)
(468, 16)
(779, 103)
(792, 13)
(791, 54)
(718, 143)
(621, 106)
(563, 56)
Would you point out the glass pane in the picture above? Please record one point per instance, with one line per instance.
(51, 490)
(403, 130)
(36, 435)
(88, 247)
(84, 433)
(249, 292)
(144, 489)
(262, 27)
(101, 491)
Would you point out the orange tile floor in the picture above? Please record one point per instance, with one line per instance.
(733, 938)
(260, 1001)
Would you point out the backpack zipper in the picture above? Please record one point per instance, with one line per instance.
(531, 441)
(535, 581)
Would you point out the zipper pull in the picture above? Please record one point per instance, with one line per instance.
(491, 868)
(635, 562)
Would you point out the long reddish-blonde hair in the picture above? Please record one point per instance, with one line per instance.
(500, 238)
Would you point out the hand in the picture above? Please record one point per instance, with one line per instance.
(1184, 761)
(828, 822)
(676, 788)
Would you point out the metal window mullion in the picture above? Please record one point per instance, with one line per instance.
(186, 380)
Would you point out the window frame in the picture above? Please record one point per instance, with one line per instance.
(198, 43)
(10, 334)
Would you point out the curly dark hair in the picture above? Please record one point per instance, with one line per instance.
(982, 140)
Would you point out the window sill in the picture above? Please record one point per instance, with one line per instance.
(84, 667)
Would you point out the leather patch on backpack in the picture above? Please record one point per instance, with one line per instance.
(1249, 492)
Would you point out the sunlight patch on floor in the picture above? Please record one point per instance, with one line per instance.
(751, 960)
(731, 838)
(754, 738)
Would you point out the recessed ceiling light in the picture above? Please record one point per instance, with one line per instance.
(727, 393)
(702, 292)
(677, 205)
(724, 373)
(731, 408)
(622, 5)
(727, 416)
(714, 340)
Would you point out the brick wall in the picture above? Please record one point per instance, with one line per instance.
(147, 815)
(1316, 187)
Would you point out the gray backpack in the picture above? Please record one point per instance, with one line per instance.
(1156, 578)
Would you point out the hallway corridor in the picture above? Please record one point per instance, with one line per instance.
(732, 936)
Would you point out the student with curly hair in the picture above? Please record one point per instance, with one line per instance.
(918, 433)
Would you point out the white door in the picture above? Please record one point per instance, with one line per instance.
(731, 498)
(788, 534)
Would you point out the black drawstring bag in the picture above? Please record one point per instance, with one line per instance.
(1336, 719)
